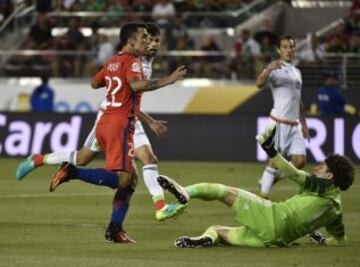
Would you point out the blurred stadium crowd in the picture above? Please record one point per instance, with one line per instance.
(71, 41)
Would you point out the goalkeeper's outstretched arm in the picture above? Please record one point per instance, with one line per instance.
(266, 140)
(298, 176)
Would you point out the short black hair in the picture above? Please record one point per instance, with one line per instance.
(284, 37)
(152, 28)
(44, 78)
(342, 169)
(128, 31)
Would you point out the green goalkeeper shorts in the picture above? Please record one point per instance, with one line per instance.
(256, 214)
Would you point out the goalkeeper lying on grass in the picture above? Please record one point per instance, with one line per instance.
(273, 224)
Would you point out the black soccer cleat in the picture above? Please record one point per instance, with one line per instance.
(174, 188)
(193, 242)
(115, 233)
(317, 238)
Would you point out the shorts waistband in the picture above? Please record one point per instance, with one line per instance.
(291, 123)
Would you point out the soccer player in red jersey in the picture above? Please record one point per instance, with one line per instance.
(142, 146)
(123, 77)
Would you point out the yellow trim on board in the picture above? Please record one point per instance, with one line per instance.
(219, 99)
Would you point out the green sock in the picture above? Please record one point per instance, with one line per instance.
(206, 191)
(212, 233)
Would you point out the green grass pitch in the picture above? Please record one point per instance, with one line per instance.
(66, 228)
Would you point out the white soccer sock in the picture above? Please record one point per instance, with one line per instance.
(59, 157)
(73, 158)
(150, 174)
(267, 180)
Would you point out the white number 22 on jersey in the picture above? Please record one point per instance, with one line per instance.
(118, 82)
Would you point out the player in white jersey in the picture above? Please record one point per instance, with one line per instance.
(142, 147)
(284, 81)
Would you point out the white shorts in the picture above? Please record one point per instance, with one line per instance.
(289, 140)
(140, 137)
(91, 142)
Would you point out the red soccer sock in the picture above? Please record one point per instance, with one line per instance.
(159, 204)
(38, 160)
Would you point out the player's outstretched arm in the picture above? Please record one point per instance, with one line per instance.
(267, 142)
(150, 85)
(304, 127)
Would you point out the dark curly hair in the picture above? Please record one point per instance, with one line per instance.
(152, 28)
(342, 169)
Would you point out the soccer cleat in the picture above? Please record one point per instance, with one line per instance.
(115, 233)
(63, 175)
(169, 211)
(25, 168)
(193, 242)
(174, 188)
(122, 237)
(317, 238)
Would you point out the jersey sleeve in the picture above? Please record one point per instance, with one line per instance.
(317, 185)
(298, 176)
(133, 70)
(100, 77)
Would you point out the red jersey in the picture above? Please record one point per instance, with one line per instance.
(116, 75)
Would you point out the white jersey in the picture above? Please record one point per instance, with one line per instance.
(147, 67)
(285, 84)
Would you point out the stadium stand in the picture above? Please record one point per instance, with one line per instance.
(72, 38)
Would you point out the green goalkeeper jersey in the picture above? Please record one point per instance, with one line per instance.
(317, 205)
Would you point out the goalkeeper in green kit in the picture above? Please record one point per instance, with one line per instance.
(275, 224)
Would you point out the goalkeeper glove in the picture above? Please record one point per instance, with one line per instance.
(267, 140)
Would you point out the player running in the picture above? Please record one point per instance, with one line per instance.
(142, 147)
(123, 77)
(284, 81)
(275, 224)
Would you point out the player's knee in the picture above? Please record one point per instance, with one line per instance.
(149, 159)
(125, 179)
(134, 180)
(299, 162)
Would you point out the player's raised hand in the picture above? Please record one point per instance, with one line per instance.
(178, 74)
(267, 140)
(159, 127)
(277, 64)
